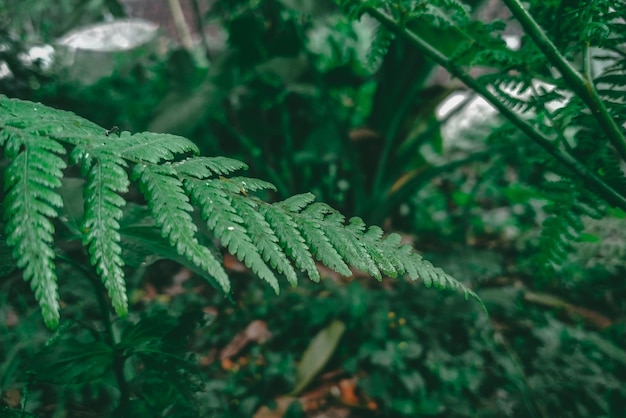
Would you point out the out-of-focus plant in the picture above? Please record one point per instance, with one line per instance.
(316, 104)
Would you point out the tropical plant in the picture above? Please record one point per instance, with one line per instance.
(177, 184)
(563, 89)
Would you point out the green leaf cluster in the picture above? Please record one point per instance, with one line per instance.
(563, 88)
(41, 144)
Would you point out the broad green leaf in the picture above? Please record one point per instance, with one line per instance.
(70, 362)
(317, 354)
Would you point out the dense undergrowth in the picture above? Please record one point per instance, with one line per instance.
(525, 207)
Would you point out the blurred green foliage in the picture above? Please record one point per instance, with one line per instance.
(314, 102)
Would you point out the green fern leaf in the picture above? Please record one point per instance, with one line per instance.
(289, 236)
(399, 255)
(247, 184)
(106, 179)
(380, 45)
(298, 202)
(386, 263)
(31, 202)
(263, 238)
(348, 245)
(170, 207)
(216, 206)
(39, 120)
(154, 148)
(569, 202)
(268, 238)
(388, 255)
(207, 167)
(319, 244)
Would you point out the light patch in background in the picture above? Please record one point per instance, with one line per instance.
(513, 42)
(473, 120)
(120, 35)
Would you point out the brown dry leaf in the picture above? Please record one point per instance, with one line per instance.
(11, 319)
(207, 359)
(177, 282)
(231, 263)
(211, 310)
(282, 404)
(313, 398)
(347, 391)
(151, 292)
(256, 331)
(228, 364)
(333, 412)
(12, 398)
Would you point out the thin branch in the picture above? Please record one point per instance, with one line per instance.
(200, 24)
(588, 177)
(582, 86)
(181, 24)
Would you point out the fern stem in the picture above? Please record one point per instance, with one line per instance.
(118, 356)
(594, 182)
(581, 85)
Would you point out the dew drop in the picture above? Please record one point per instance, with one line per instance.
(231, 228)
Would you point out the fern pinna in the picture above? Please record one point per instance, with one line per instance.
(40, 142)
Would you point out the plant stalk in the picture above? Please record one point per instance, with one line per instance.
(181, 24)
(582, 86)
(200, 24)
(118, 358)
(588, 177)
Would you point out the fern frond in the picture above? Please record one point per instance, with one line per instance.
(320, 225)
(31, 203)
(175, 181)
(247, 184)
(564, 224)
(171, 209)
(286, 230)
(319, 243)
(36, 119)
(347, 245)
(354, 9)
(217, 209)
(389, 264)
(380, 45)
(106, 179)
(264, 239)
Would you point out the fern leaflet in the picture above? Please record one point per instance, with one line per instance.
(106, 178)
(30, 205)
(222, 219)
